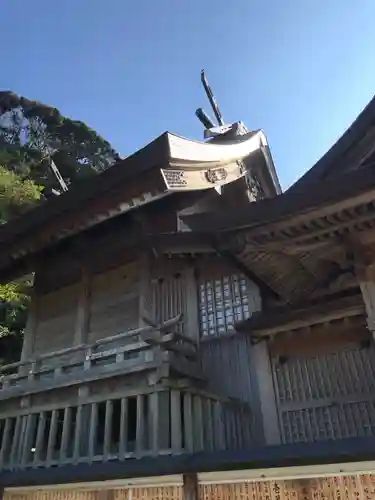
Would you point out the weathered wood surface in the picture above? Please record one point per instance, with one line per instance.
(324, 396)
(124, 427)
(57, 313)
(99, 360)
(329, 488)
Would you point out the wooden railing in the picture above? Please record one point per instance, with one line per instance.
(158, 421)
(149, 347)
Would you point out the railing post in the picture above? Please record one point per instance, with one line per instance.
(108, 429)
(198, 423)
(123, 448)
(140, 429)
(15, 442)
(188, 421)
(176, 438)
(87, 362)
(154, 422)
(219, 434)
(39, 437)
(4, 455)
(65, 433)
(93, 431)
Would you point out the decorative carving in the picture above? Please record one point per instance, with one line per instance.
(216, 175)
(254, 189)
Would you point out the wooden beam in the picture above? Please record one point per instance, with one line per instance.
(272, 322)
(320, 339)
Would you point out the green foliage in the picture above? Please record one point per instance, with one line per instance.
(31, 134)
(16, 194)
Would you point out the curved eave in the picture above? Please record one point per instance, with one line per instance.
(123, 171)
(332, 159)
(188, 154)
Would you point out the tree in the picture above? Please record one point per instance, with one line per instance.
(16, 196)
(30, 135)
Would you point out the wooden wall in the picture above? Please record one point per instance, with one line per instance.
(114, 302)
(56, 316)
(226, 296)
(326, 391)
(111, 307)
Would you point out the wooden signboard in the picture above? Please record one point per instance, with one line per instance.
(356, 487)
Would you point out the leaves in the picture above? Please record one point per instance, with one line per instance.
(16, 194)
(31, 134)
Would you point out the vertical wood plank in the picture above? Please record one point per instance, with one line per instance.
(83, 308)
(218, 426)
(93, 429)
(5, 442)
(176, 420)
(154, 422)
(52, 436)
(267, 395)
(65, 433)
(198, 423)
(31, 325)
(165, 420)
(123, 428)
(108, 429)
(15, 441)
(39, 437)
(21, 440)
(140, 431)
(192, 317)
(77, 435)
(29, 433)
(144, 289)
(188, 421)
(208, 421)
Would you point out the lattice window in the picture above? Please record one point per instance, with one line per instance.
(222, 302)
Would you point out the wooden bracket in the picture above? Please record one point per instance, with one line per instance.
(361, 256)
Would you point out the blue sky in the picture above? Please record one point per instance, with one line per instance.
(300, 69)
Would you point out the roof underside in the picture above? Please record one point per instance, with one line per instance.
(170, 164)
(354, 149)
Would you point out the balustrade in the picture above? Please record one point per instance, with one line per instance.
(145, 348)
(158, 421)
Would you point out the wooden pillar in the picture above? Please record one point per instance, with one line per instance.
(267, 395)
(190, 487)
(31, 325)
(366, 279)
(145, 307)
(83, 308)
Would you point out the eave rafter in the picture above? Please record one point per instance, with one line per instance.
(343, 313)
(318, 230)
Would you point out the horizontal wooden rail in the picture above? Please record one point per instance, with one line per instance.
(167, 420)
(83, 357)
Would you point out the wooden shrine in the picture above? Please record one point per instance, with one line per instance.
(189, 318)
